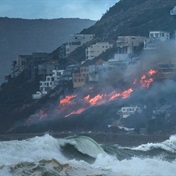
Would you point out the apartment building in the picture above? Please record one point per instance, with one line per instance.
(155, 39)
(77, 41)
(97, 49)
(128, 44)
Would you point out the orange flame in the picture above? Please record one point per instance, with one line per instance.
(146, 80)
(67, 100)
(79, 111)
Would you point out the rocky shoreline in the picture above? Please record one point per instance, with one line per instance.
(102, 138)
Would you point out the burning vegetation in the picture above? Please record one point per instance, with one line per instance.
(78, 103)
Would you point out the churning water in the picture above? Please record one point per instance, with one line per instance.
(82, 156)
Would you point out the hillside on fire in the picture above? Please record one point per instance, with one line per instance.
(118, 76)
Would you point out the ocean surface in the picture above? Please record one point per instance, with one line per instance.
(82, 156)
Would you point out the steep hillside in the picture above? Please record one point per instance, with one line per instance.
(135, 17)
(129, 17)
(21, 36)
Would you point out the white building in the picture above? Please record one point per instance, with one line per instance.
(128, 44)
(57, 74)
(48, 84)
(95, 50)
(37, 95)
(155, 39)
(125, 112)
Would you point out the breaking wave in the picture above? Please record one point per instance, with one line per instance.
(80, 155)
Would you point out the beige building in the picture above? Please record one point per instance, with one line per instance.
(82, 77)
(78, 80)
(128, 44)
(96, 49)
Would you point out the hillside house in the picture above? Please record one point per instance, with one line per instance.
(50, 82)
(29, 63)
(95, 50)
(77, 41)
(78, 79)
(125, 112)
(81, 77)
(47, 68)
(128, 44)
(155, 39)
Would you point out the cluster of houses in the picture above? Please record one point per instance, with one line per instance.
(93, 68)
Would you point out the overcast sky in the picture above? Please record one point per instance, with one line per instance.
(49, 9)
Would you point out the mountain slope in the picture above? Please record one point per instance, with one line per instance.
(135, 17)
(21, 36)
(129, 17)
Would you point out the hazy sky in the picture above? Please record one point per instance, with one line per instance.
(48, 9)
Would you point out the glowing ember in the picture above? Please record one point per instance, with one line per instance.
(67, 100)
(126, 93)
(86, 98)
(79, 111)
(151, 72)
(96, 100)
(146, 80)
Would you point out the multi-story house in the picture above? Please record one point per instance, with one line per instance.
(78, 79)
(95, 50)
(128, 44)
(155, 39)
(77, 41)
(28, 63)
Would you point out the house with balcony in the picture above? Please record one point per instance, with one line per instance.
(128, 44)
(50, 82)
(95, 50)
(155, 40)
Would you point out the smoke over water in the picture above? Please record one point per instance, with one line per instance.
(83, 156)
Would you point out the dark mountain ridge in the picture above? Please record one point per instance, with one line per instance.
(22, 36)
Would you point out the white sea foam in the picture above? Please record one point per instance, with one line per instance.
(136, 166)
(46, 147)
(168, 145)
(31, 150)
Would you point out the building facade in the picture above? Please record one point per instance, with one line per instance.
(155, 39)
(96, 49)
(128, 44)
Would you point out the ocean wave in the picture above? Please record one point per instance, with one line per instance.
(168, 145)
(44, 156)
(30, 150)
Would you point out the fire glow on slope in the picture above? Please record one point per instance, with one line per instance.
(77, 103)
(99, 99)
